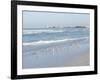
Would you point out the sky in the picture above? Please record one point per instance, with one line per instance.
(37, 19)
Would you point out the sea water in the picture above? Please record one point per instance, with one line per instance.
(53, 47)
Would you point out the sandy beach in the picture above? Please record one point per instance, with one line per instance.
(83, 60)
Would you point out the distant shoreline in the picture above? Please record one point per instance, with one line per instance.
(58, 27)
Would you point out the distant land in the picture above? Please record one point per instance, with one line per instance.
(53, 27)
(69, 27)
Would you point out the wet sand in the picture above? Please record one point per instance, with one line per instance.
(83, 60)
(57, 55)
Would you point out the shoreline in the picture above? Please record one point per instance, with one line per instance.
(58, 55)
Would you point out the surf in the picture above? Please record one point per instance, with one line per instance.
(26, 32)
(41, 42)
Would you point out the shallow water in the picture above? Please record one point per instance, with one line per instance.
(58, 47)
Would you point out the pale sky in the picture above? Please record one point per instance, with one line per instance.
(34, 19)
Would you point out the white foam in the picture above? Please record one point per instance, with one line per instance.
(53, 41)
(40, 31)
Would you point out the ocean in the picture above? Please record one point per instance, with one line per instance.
(55, 47)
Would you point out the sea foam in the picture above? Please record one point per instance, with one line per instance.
(40, 31)
(53, 41)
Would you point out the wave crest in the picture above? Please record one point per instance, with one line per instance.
(40, 31)
(53, 41)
